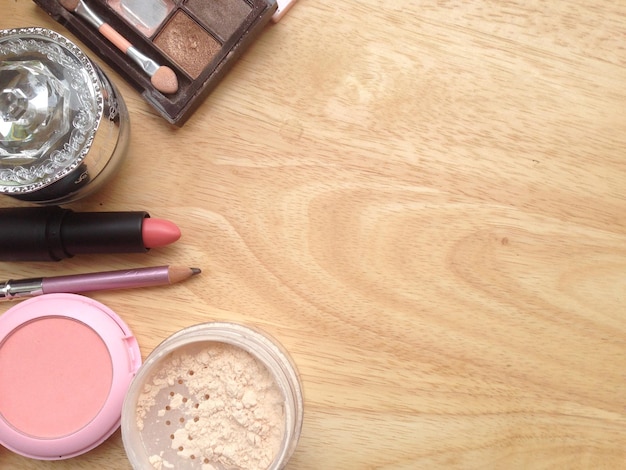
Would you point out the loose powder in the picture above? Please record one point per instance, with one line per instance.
(211, 406)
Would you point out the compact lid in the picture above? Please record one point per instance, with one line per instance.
(50, 107)
(66, 362)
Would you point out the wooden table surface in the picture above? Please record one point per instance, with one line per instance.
(425, 202)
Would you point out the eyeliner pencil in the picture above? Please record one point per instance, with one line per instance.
(108, 280)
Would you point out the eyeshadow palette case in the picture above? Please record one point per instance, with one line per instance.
(199, 40)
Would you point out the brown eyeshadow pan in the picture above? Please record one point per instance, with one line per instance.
(221, 16)
(187, 44)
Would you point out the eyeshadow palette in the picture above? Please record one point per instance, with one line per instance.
(199, 40)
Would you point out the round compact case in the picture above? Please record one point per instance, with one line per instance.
(66, 362)
(63, 126)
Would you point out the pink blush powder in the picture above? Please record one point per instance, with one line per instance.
(55, 376)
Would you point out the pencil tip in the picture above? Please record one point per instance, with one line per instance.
(195, 271)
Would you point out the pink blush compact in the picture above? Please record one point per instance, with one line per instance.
(74, 369)
(66, 362)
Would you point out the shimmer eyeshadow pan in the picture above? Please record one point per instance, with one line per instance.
(187, 44)
(199, 40)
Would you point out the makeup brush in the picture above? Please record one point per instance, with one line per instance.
(162, 77)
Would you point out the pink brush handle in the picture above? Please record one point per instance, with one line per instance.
(116, 38)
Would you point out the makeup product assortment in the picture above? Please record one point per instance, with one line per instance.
(198, 40)
(63, 127)
(63, 133)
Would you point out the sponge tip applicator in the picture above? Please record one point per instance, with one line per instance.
(162, 77)
(165, 80)
(69, 4)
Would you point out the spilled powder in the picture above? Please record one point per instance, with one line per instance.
(211, 406)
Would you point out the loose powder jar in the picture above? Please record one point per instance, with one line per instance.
(215, 396)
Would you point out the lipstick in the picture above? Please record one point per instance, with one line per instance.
(54, 233)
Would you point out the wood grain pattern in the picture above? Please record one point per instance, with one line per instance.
(425, 203)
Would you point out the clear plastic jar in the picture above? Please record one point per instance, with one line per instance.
(214, 395)
(63, 126)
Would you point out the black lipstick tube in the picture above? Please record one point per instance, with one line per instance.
(54, 233)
